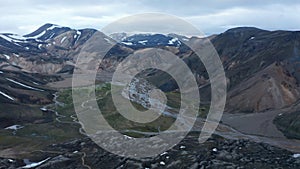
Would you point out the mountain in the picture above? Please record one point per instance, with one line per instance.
(46, 50)
(150, 40)
(262, 60)
(246, 52)
(22, 95)
(47, 31)
(53, 49)
(118, 36)
(262, 70)
(253, 59)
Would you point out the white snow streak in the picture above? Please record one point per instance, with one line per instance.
(21, 84)
(7, 96)
(32, 165)
(7, 57)
(127, 43)
(63, 39)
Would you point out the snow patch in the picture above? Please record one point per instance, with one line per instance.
(77, 36)
(127, 43)
(162, 163)
(252, 38)
(164, 153)
(143, 42)
(40, 46)
(7, 96)
(14, 127)
(52, 27)
(52, 35)
(296, 155)
(38, 35)
(43, 109)
(107, 40)
(172, 41)
(32, 165)
(35, 83)
(63, 39)
(7, 57)
(17, 44)
(128, 137)
(214, 149)
(44, 32)
(24, 85)
(13, 38)
(17, 37)
(5, 37)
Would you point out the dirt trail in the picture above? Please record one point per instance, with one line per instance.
(259, 127)
(254, 123)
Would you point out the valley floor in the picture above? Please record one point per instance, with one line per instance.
(239, 141)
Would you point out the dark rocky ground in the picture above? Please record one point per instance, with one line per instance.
(214, 153)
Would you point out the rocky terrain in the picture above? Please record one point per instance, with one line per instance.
(215, 153)
(22, 95)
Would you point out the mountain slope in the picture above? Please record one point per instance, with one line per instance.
(247, 53)
(46, 50)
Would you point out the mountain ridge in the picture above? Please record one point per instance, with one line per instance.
(262, 71)
(244, 51)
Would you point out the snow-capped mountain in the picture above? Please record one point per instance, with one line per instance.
(150, 40)
(52, 48)
(119, 37)
(46, 32)
(45, 50)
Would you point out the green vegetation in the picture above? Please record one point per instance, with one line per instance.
(40, 128)
(120, 123)
(174, 99)
(47, 128)
(289, 124)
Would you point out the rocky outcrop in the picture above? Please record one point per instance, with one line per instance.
(271, 88)
(215, 153)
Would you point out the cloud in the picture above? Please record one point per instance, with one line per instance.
(212, 16)
(152, 23)
(272, 17)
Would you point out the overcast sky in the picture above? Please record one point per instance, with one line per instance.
(209, 16)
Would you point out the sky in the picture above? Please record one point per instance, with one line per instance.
(209, 16)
